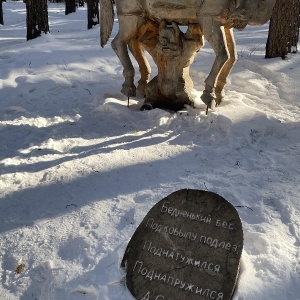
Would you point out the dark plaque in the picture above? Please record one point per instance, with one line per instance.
(187, 247)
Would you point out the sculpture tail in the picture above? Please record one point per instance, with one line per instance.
(106, 20)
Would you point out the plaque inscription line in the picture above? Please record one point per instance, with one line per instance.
(206, 240)
(167, 253)
(150, 274)
(175, 212)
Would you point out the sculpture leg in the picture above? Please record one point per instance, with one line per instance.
(222, 78)
(214, 34)
(128, 26)
(138, 52)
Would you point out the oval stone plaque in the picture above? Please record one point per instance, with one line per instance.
(188, 246)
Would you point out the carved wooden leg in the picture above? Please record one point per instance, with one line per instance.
(222, 78)
(214, 34)
(138, 52)
(128, 26)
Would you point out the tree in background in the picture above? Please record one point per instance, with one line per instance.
(1, 13)
(93, 13)
(283, 29)
(70, 7)
(295, 37)
(37, 18)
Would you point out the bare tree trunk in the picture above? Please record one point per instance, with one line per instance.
(93, 13)
(70, 7)
(37, 18)
(295, 36)
(283, 28)
(1, 13)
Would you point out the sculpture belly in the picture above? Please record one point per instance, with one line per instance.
(182, 12)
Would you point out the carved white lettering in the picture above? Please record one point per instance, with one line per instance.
(156, 276)
(146, 244)
(177, 282)
(222, 245)
(175, 212)
(189, 287)
(149, 221)
(163, 278)
(214, 243)
(170, 279)
(203, 239)
(158, 252)
(158, 229)
(144, 271)
(152, 249)
(224, 224)
(138, 262)
(217, 268)
(194, 236)
(209, 240)
(171, 230)
(146, 297)
(197, 263)
(182, 284)
(207, 293)
(164, 208)
(188, 235)
(227, 246)
(208, 220)
(203, 219)
(150, 275)
(191, 261)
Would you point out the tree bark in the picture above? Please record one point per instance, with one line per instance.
(70, 7)
(283, 28)
(93, 13)
(1, 13)
(295, 35)
(37, 18)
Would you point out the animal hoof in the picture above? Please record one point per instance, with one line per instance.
(209, 99)
(128, 90)
(142, 88)
(219, 100)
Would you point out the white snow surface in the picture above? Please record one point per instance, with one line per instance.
(79, 170)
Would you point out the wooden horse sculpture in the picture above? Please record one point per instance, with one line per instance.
(216, 18)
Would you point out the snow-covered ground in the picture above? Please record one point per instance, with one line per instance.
(79, 170)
